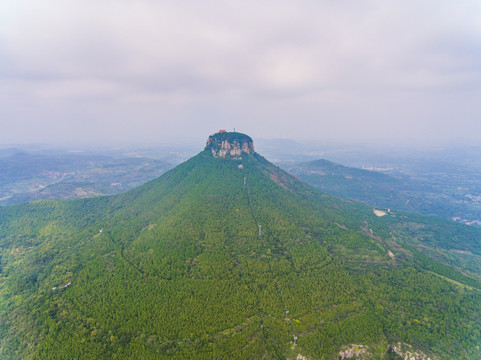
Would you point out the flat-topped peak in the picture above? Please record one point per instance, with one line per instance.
(230, 144)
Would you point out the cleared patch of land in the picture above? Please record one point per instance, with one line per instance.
(379, 212)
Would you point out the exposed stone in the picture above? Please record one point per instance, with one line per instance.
(230, 144)
(354, 351)
(406, 352)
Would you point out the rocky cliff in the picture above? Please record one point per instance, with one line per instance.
(230, 144)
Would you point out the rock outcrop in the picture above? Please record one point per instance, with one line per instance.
(406, 352)
(403, 351)
(230, 144)
(355, 352)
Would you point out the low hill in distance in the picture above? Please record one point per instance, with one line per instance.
(444, 195)
(227, 256)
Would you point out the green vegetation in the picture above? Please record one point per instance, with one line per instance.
(443, 190)
(176, 269)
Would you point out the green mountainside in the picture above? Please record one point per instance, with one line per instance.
(230, 257)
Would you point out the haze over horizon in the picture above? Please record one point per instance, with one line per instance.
(142, 72)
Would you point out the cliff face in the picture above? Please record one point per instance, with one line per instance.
(230, 144)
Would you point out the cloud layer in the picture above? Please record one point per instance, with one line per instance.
(144, 71)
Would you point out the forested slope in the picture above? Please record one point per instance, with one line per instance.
(177, 269)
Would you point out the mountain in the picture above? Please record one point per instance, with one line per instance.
(228, 257)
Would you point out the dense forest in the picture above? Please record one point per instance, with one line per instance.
(233, 259)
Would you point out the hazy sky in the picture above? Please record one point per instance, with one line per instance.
(140, 71)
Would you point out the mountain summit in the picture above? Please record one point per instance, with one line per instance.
(213, 260)
(230, 144)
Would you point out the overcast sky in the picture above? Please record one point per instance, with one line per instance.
(142, 72)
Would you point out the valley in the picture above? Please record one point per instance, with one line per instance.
(27, 177)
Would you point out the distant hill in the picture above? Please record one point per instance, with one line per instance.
(9, 152)
(230, 257)
(398, 191)
(348, 182)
